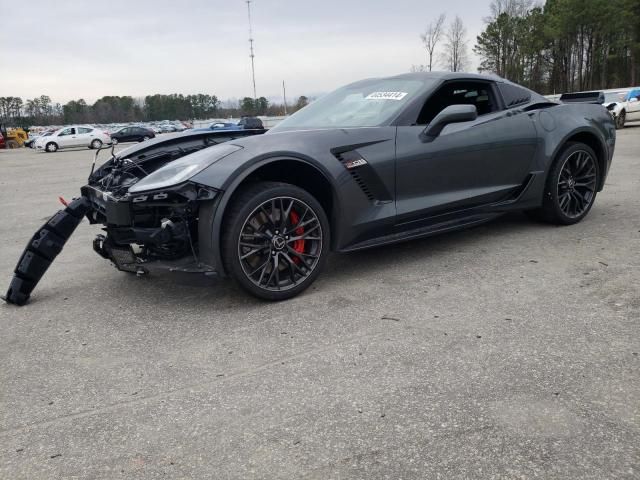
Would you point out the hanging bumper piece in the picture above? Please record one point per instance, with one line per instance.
(43, 248)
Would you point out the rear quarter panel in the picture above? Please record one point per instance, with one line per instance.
(558, 124)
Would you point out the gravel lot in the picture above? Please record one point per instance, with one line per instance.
(506, 351)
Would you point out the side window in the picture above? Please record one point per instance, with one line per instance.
(84, 130)
(67, 131)
(458, 93)
(513, 95)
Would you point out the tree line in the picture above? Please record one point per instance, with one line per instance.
(564, 45)
(551, 47)
(123, 109)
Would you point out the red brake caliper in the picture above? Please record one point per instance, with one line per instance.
(298, 245)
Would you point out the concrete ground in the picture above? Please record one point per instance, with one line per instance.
(506, 351)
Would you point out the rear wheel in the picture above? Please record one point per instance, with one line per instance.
(51, 147)
(275, 240)
(620, 119)
(96, 144)
(114, 141)
(12, 144)
(571, 186)
(145, 138)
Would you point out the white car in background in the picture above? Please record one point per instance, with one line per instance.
(613, 102)
(73, 136)
(624, 106)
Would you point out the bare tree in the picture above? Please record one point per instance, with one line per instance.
(455, 55)
(513, 8)
(432, 36)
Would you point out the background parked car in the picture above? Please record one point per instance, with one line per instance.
(168, 128)
(132, 134)
(73, 136)
(245, 123)
(251, 123)
(31, 142)
(629, 109)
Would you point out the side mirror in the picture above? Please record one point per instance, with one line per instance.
(451, 114)
(634, 99)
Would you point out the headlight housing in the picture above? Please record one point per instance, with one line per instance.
(183, 169)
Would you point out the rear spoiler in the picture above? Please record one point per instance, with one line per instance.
(583, 97)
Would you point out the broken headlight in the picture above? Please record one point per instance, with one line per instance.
(183, 169)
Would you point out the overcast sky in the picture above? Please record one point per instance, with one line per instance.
(87, 49)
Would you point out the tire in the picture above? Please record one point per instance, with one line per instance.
(51, 147)
(571, 186)
(270, 258)
(620, 120)
(114, 141)
(145, 138)
(96, 144)
(11, 144)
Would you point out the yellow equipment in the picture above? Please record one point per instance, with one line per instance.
(16, 137)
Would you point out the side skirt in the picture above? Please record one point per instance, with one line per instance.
(424, 231)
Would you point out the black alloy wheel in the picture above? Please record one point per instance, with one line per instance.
(577, 183)
(276, 240)
(571, 186)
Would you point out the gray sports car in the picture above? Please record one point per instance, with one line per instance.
(375, 162)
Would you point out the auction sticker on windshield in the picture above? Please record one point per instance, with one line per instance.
(386, 96)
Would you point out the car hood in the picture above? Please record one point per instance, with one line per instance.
(320, 147)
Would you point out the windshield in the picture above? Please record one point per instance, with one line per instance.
(369, 103)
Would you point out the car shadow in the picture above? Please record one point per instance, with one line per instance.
(170, 289)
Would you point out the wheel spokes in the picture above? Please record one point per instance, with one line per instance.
(270, 256)
(577, 183)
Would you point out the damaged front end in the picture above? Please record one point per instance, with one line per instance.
(156, 229)
(151, 212)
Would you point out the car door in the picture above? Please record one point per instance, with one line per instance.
(633, 105)
(67, 137)
(85, 136)
(127, 135)
(468, 164)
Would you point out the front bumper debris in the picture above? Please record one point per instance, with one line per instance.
(43, 248)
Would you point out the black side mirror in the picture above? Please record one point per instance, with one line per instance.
(451, 114)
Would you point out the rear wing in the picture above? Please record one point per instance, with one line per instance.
(583, 97)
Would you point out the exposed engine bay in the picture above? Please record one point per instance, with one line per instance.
(152, 228)
(141, 228)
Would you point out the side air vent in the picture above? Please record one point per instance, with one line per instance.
(361, 184)
(364, 176)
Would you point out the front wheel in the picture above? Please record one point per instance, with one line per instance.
(620, 120)
(571, 186)
(114, 141)
(275, 240)
(51, 147)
